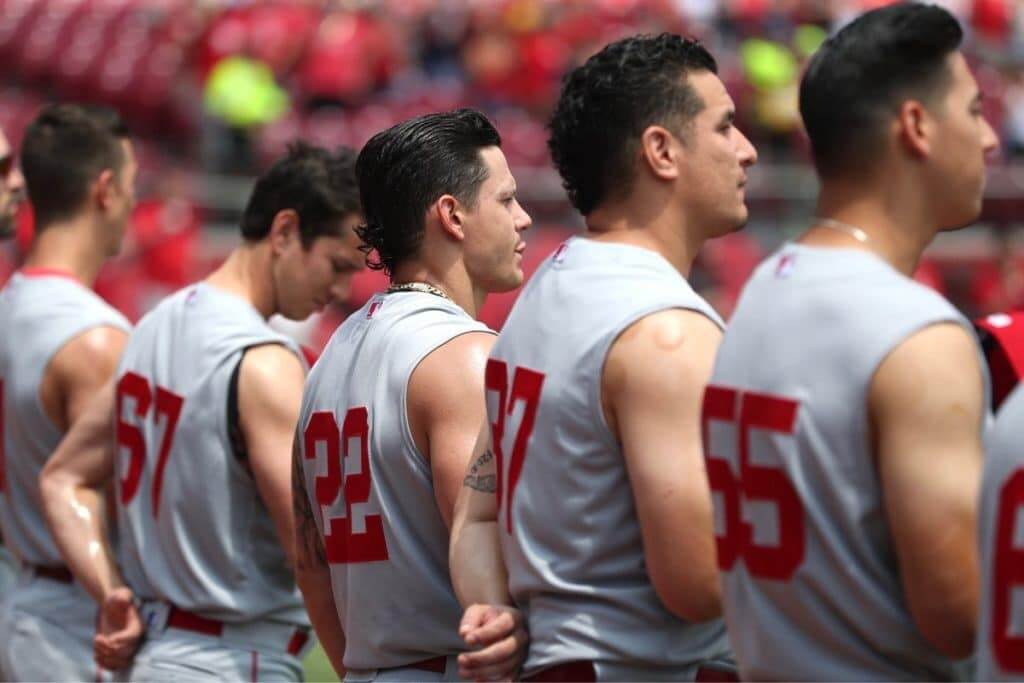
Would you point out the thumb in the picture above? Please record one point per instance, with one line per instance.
(474, 617)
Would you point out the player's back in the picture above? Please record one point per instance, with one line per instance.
(40, 312)
(373, 494)
(1000, 646)
(568, 524)
(811, 583)
(195, 531)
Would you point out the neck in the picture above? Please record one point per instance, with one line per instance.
(248, 273)
(70, 246)
(651, 225)
(895, 219)
(453, 281)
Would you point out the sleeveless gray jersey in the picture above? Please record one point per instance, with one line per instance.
(810, 578)
(1000, 644)
(567, 518)
(370, 488)
(194, 530)
(39, 315)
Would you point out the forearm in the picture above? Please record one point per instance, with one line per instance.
(76, 516)
(315, 584)
(477, 566)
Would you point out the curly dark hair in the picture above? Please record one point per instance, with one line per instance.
(407, 167)
(319, 185)
(860, 76)
(608, 102)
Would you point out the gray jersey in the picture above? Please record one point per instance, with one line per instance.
(810, 577)
(1000, 645)
(371, 489)
(194, 530)
(569, 529)
(39, 314)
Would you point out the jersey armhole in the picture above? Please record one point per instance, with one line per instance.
(236, 439)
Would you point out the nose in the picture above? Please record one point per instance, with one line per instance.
(989, 139)
(16, 181)
(523, 220)
(747, 151)
(341, 288)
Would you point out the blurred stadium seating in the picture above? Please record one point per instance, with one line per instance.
(216, 89)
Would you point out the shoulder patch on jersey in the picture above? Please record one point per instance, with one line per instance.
(784, 268)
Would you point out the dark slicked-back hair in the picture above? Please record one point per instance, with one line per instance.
(320, 186)
(65, 149)
(607, 103)
(406, 168)
(857, 81)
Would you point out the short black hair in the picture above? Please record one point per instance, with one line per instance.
(859, 78)
(407, 167)
(65, 149)
(607, 103)
(319, 185)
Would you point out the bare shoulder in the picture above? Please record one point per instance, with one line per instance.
(943, 355)
(270, 375)
(96, 348)
(451, 369)
(665, 340)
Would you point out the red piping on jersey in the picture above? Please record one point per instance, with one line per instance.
(40, 271)
(255, 667)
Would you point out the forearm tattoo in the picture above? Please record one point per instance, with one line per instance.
(476, 478)
(309, 545)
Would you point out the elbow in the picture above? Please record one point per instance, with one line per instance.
(953, 636)
(693, 600)
(51, 483)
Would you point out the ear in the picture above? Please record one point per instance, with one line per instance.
(284, 230)
(915, 129)
(660, 150)
(104, 188)
(450, 216)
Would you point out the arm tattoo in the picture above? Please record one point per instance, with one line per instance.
(476, 478)
(309, 545)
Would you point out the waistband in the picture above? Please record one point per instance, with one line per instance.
(262, 634)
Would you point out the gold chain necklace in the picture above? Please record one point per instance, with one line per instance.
(851, 230)
(418, 287)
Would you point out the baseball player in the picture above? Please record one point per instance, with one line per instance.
(998, 645)
(845, 412)
(592, 496)
(204, 408)
(60, 344)
(392, 410)
(12, 193)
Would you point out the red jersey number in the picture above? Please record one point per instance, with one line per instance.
(1007, 574)
(343, 543)
(130, 436)
(757, 482)
(526, 388)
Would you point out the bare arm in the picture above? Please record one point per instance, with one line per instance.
(652, 389)
(71, 488)
(78, 371)
(491, 625)
(926, 404)
(269, 397)
(477, 566)
(78, 392)
(311, 570)
(447, 410)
